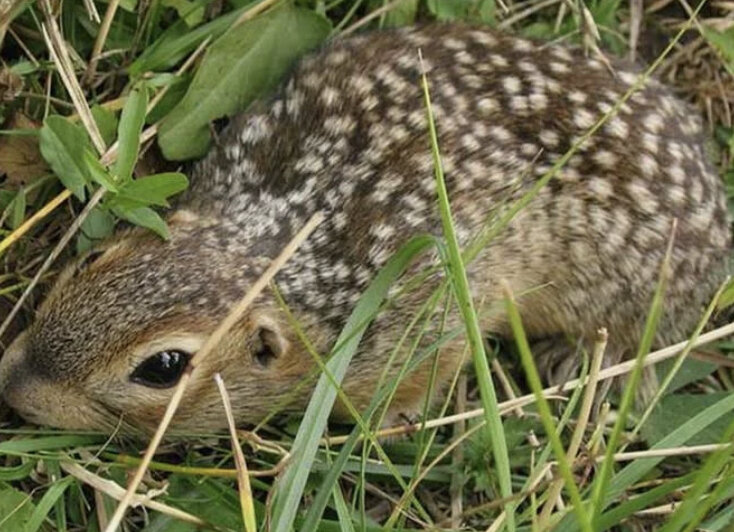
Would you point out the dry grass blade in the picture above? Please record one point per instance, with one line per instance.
(583, 419)
(509, 21)
(111, 154)
(556, 391)
(505, 407)
(243, 480)
(39, 215)
(533, 378)
(60, 56)
(255, 10)
(108, 157)
(636, 9)
(673, 451)
(101, 38)
(92, 11)
(116, 492)
(68, 235)
(372, 16)
(208, 346)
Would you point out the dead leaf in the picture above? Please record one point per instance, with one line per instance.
(20, 158)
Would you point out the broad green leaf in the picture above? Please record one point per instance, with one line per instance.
(239, 67)
(724, 520)
(674, 410)
(727, 297)
(158, 81)
(179, 40)
(145, 217)
(724, 43)
(98, 225)
(106, 123)
(680, 435)
(155, 189)
(691, 370)
(128, 133)
(293, 481)
(62, 144)
(6, 198)
(15, 509)
(213, 501)
(402, 14)
(174, 94)
(473, 10)
(99, 173)
(17, 214)
(190, 11)
(44, 506)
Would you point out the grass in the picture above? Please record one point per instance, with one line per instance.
(491, 457)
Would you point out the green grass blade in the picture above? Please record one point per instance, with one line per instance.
(639, 468)
(342, 511)
(653, 318)
(546, 417)
(47, 443)
(692, 510)
(319, 502)
(17, 472)
(640, 502)
(723, 520)
(460, 284)
(291, 484)
(47, 502)
(128, 132)
(679, 360)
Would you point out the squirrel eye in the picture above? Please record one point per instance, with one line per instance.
(162, 370)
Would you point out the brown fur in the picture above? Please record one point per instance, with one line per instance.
(347, 135)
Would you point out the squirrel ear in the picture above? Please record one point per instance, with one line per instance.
(269, 344)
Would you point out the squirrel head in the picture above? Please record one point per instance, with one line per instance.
(117, 330)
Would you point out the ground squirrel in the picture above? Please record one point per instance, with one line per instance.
(347, 135)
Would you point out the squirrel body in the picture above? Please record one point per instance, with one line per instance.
(347, 135)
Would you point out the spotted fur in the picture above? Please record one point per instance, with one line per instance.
(347, 135)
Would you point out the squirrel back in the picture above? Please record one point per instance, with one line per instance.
(347, 135)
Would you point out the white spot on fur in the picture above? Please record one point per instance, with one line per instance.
(577, 97)
(605, 158)
(559, 68)
(512, 84)
(549, 138)
(583, 119)
(487, 105)
(648, 165)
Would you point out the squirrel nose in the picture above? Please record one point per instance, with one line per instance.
(10, 360)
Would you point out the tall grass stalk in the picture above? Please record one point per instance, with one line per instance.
(630, 390)
(544, 411)
(460, 284)
(293, 481)
(362, 422)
